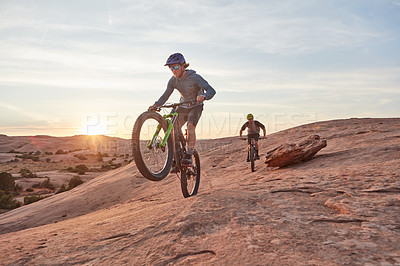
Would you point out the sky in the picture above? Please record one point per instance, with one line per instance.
(92, 66)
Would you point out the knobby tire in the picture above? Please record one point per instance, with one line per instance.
(190, 177)
(139, 147)
(252, 158)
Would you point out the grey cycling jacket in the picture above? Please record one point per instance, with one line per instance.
(190, 86)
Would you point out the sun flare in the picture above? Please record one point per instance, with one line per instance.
(90, 129)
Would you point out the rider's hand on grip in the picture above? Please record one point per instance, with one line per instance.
(152, 108)
(201, 98)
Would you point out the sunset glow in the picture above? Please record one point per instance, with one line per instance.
(288, 62)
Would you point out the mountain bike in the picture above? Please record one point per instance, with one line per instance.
(252, 153)
(158, 143)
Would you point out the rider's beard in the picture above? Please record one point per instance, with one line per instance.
(180, 75)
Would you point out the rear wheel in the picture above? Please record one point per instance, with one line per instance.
(152, 160)
(190, 177)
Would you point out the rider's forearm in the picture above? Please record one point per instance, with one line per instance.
(203, 84)
(165, 95)
(210, 92)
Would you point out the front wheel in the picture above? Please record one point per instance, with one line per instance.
(252, 157)
(190, 177)
(152, 159)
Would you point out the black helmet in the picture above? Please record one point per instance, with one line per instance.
(176, 58)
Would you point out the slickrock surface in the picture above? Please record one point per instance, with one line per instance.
(342, 207)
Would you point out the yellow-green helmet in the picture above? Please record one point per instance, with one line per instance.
(250, 116)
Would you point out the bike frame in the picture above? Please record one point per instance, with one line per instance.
(171, 119)
(173, 116)
(252, 143)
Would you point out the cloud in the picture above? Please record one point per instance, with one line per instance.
(35, 117)
(15, 116)
(274, 27)
(277, 28)
(396, 2)
(287, 54)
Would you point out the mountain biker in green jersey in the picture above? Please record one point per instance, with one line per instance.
(253, 132)
(192, 87)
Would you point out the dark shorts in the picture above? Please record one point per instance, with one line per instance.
(252, 136)
(191, 115)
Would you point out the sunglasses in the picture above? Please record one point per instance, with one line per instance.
(175, 67)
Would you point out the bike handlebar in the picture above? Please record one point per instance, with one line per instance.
(174, 105)
(261, 137)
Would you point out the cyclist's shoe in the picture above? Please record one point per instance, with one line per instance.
(174, 169)
(248, 159)
(257, 157)
(187, 160)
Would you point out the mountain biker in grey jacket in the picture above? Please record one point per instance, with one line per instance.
(192, 87)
